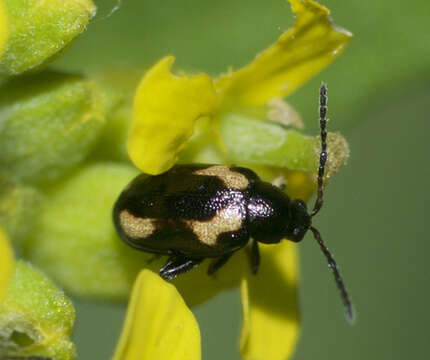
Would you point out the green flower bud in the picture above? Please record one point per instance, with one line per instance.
(40, 29)
(35, 318)
(75, 241)
(18, 208)
(48, 123)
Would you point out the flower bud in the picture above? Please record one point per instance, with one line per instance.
(35, 318)
(38, 30)
(48, 123)
(18, 208)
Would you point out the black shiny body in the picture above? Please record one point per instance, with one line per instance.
(173, 198)
(184, 207)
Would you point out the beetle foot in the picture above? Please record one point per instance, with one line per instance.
(178, 265)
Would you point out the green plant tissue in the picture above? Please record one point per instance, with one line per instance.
(40, 29)
(36, 318)
(48, 123)
(75, 241)
(19, 206)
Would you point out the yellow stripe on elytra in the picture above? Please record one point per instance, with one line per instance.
(231, 179)
(228, 219)
(134, 226)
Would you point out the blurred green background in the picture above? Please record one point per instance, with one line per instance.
(374, 215)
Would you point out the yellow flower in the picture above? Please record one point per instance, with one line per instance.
(166, 106)
(4, 31)
(158, 324)
(166, 110)
(6, 264)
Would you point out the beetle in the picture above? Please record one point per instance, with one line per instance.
(193, 212)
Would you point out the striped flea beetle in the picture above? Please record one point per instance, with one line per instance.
(194, 212)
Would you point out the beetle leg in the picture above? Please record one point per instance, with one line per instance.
(215, 265)
(254, 256)
(177, 265)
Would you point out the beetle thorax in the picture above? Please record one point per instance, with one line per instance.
(272, 216)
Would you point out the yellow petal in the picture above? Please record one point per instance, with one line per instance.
(166, 107)
(4, 28)
(269, 303)
(6, 264)
(300, 53)
(158, 324)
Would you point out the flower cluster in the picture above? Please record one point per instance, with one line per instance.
(66, 142)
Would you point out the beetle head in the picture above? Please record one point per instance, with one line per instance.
(300, 221)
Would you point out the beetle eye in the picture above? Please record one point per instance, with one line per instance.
(296, 231)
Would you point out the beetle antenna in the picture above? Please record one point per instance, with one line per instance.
(340, 284)
(323, 154)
